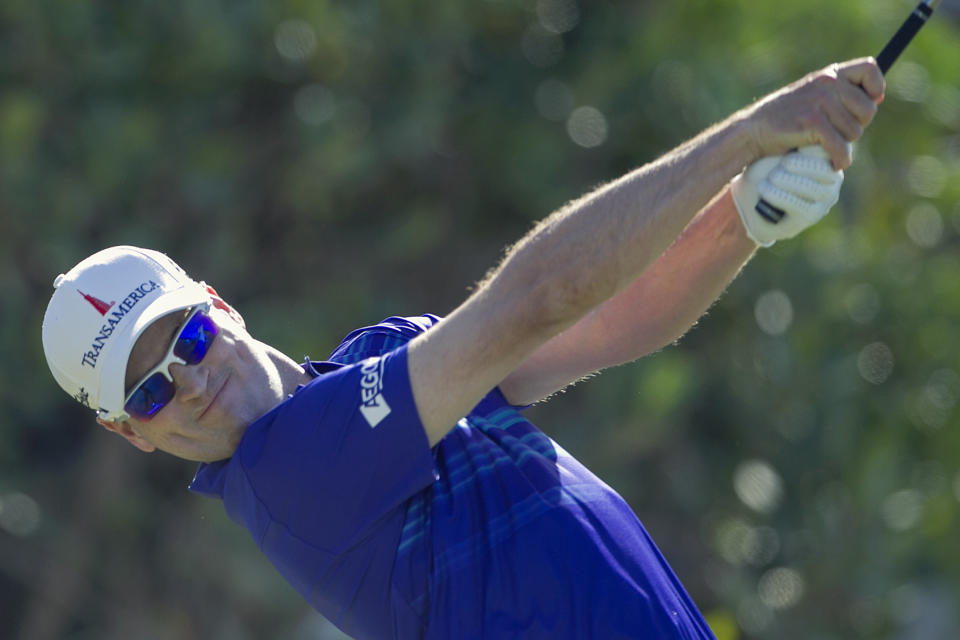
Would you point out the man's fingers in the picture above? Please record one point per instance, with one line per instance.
(841, 156)
(830, 108)
(864, 72)
(860, 87)
(843, 121)
(857, 102)
(825, 133)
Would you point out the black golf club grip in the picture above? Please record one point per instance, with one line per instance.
(903, 36)
(885, 60)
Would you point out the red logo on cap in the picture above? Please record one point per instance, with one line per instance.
(97, 303)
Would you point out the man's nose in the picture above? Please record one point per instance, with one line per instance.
(191, 381)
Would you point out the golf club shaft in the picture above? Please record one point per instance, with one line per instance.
(891, 51)
(905, 34)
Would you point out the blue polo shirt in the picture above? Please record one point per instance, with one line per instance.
(496, 532)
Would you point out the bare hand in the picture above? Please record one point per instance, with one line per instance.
(830, 107)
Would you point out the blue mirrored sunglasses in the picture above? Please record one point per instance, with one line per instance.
(156, 389)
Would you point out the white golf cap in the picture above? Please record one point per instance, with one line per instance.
(99, 309)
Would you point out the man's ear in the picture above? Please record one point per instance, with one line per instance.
(124, 430)
(220, 303)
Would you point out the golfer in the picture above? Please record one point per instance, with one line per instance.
(396, 484)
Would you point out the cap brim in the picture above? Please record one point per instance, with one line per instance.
(113, 374)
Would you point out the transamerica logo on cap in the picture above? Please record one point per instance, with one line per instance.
(97, 303)
(90, 357)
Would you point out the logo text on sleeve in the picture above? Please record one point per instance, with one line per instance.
(373, 405)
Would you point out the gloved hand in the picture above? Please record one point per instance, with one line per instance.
(780, 196)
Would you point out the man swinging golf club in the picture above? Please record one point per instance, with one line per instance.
(396, 484)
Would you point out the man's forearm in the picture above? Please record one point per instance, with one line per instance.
(649, 314)
(588, 251)
(597, 245)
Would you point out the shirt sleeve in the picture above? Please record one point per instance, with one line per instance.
(343, 452)
(381, 338)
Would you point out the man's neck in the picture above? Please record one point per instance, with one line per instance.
(292, 375)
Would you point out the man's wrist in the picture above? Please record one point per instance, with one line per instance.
(745, 139)
(739, 142)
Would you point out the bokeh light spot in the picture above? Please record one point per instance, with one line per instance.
(19, 514)
(781, 588)
(314, 104)
(927, 176)
(295, 40)
(758, 485)
(753, 616)
(558, 16)
(902, 510)
(741, 544)
(731, 538)
(943, 388)
(587, 127)
(875, 362)
(926, 414)
(924, 225)
(774, 312)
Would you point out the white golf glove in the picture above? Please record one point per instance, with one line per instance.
(780, 196)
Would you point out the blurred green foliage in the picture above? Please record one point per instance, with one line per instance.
(328, 163)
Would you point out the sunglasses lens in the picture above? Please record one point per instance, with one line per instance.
(191, 346)
(151, 396)
(195, 338)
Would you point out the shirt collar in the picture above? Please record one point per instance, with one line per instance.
(320, 367)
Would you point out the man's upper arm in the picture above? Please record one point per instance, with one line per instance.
(458, 361)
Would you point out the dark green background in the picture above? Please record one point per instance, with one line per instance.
(326, 164)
